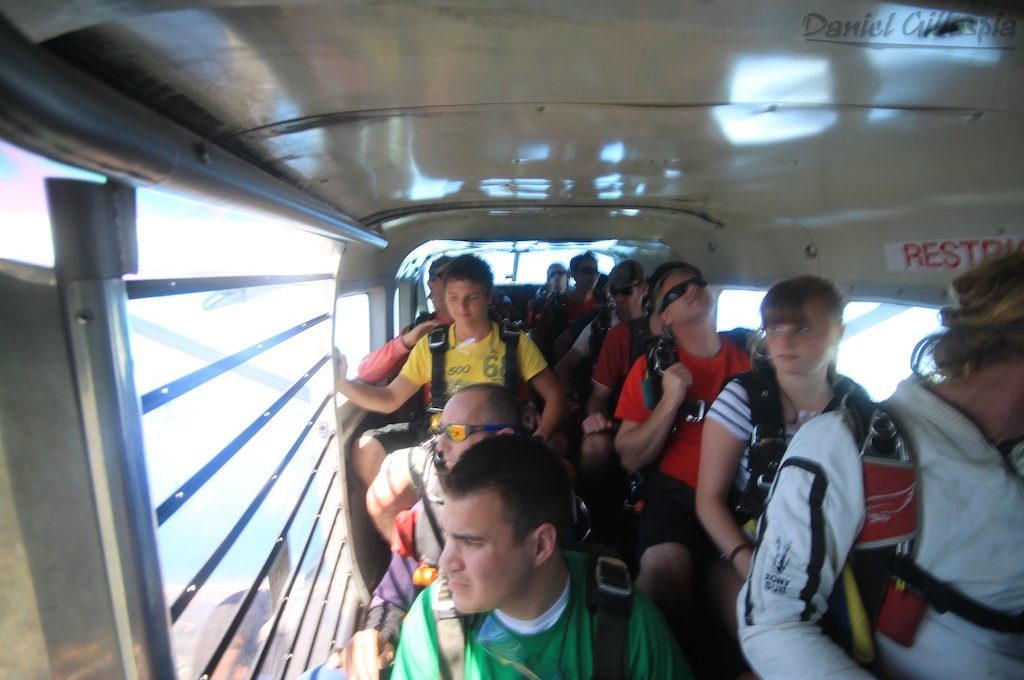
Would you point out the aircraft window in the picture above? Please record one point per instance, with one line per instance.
(235, 380)
(25, 236)
(876, 348)
(502, 264)
(353, 336)
(533, 265)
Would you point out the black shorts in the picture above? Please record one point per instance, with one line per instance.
(401, 435)
(669, 515)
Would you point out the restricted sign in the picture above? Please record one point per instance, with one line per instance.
(948, 254)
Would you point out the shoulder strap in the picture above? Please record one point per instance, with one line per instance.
(765, 404)
(438, 343)
(599, 326)
(451, 633)
(429, 534)
(767, 442)
(609, 596)
(510, 336)
(639, 337)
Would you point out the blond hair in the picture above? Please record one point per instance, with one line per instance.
(985, 327)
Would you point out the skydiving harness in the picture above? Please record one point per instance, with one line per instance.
(508, 333)
(881, 587)
(661, 353)
(894, 590)
(768, 438)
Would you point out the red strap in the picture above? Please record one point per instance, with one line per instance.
(403, 536)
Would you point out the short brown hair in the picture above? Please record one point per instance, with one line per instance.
(531, 481)
(786, 301)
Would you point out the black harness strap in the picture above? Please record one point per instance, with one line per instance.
(451, 633)
(510, 336)
(945, 598)
(438, 343)
(639, 338)
(609, 596)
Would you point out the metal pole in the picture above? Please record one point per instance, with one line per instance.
(52, 108)
(93, 229)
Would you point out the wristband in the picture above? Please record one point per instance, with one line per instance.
(737, 550)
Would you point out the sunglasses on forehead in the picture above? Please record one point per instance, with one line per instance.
(459, 433)
(679, 290)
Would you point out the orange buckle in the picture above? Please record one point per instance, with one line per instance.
(424, 575)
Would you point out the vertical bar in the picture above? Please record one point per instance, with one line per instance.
(94, 244)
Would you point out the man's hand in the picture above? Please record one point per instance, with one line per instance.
(364, 656)
(340, 366)
(675, 382)
(415, 333)
(596, 422)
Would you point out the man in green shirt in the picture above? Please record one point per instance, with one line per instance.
(523, 599)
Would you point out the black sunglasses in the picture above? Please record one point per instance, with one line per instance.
(679, 290)
(587, 270)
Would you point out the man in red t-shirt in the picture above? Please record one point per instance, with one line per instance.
(667, 434)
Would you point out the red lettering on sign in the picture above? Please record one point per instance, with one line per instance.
(952, 258)
(970, 244)
(991, 246)
(931, 254)
(912, 254)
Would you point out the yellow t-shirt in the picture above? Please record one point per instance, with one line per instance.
(477, 362)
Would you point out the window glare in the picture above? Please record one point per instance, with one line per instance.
(25, 236)
(878, 343)
(352, 337)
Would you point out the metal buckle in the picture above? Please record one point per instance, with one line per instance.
(604, 568)
(698, 405)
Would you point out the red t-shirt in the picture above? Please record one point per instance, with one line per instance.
(681, 457)
(613, 361)
(576, 310)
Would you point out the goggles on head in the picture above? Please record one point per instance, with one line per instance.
(679, 290)
(459, 433)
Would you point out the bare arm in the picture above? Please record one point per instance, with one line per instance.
(550, 388)
(390, 493)
(640, 444)
(380, 399)
(597, 419)
(720, 453)
(381, 364)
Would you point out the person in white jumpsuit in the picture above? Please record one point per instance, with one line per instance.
(964, 421)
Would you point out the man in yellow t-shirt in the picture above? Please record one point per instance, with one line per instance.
(476, 353)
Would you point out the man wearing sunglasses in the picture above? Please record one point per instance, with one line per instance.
(412, 476)
(664, 437)
(561, 310)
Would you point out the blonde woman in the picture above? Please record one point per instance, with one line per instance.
(958, 611)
